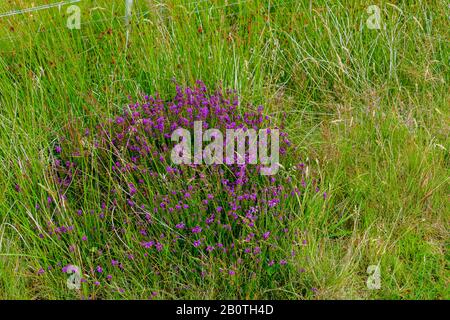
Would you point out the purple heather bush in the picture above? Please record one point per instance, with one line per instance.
(150, 212)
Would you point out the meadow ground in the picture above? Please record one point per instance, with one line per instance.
(367, 111)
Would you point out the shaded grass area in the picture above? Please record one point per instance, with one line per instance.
(367, 108)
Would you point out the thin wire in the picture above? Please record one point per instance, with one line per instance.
(149, 11)
(38, 8)
(140, 15)
(155, 6)
(82, 23)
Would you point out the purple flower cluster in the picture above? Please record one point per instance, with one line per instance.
(227, 211)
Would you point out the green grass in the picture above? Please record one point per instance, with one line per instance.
(369, 109)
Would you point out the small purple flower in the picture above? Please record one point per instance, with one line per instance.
(231, 272)
(273, 202)
(119, 120)
(84, 238)
(196, 229)
(58, 149)
(148, 244)
(99, 269)
(266, 235)
(133, 189)
(197, 243)
(283, 262)
(180, 225)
